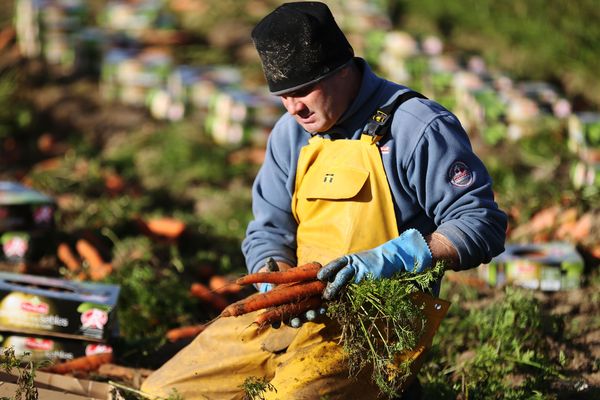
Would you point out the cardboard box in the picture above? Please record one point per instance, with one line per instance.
(39, 348)
(56, 307)
(58, 387)
(547, 266)
(26, 223)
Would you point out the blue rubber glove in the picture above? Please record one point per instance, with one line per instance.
(310, 315)
(265, 287)
(407, 252)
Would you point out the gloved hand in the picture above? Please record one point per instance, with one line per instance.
(271, 266)
(310, 315)
(407, 252)
(265, 287)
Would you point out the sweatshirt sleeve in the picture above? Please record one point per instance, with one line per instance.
(455, 190)
(272, 232)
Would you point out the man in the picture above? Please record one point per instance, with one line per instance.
(398, 193)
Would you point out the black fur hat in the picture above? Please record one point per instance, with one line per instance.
(300, 44)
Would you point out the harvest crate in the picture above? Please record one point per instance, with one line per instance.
(56, 307)
(548, 267)
(38, 348)
(26, 222)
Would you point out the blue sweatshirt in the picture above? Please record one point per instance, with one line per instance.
(436, 181)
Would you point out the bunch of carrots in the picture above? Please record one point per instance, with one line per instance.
(297, 290)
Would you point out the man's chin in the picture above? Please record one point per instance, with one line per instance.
(313, 127)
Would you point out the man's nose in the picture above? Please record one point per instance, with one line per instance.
(292, 104)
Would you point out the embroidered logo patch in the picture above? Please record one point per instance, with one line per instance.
(460, 175)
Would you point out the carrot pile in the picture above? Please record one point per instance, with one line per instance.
(82, 364)
(297, 291)
(96, 266)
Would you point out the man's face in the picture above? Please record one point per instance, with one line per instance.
(318, 107)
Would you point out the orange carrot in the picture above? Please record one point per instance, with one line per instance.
(277, 296)
(101, 271)
(168, 227)
(49, 164)
(213, 299)
(583, 227)
(285, 312)
(98, 269)
(6, 36)
(65, 254)
(304, 272)
(46, 143)
(595, 252)
(114, 183)
(222, 285)
(216, 282)
(85, 363)
(185, 332)
(89, 252)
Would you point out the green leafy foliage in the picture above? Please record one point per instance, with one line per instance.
(527, 39)
(25, 370)
(380, 323)
(254, 388)
(495, 351)
(15, 116)
(144, 312)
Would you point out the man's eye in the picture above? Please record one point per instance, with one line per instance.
(302, 92)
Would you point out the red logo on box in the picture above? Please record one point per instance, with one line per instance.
(97, 348)
(35, 306)
(16, 247)
(39, 344)
(94, 318)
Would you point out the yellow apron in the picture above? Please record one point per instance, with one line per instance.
(342, 201)
(342, 204)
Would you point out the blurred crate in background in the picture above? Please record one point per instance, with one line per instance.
(129, 75)
(54, 30)
(238, 117)
(26, 223)
(547, 266)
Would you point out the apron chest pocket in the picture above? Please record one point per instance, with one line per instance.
(333, 183)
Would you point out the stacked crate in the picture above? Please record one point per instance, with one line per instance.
(26, 223)
(188, 90)
(550, 266)
(129, 76)
(47, 318)
(238, 117)
(490, 104)
(56, 30)
(584, 141)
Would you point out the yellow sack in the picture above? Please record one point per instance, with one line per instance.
(305, 363)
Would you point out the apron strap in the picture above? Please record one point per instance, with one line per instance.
(380, 121)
